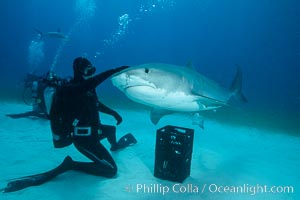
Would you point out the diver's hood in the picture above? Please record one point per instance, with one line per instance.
(82, 68)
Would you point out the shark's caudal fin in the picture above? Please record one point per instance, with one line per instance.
(39, 32)
(236, 86)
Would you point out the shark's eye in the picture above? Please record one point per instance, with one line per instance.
(146, 70)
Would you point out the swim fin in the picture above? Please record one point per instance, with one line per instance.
(29, 114)
(124, 142)
(38, 179)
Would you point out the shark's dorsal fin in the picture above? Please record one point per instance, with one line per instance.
(190, 65)
(157, 113)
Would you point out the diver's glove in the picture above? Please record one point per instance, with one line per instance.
(99, 78)
(118, 69)
(118, 118)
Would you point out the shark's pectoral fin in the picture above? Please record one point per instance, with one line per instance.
(156, 114)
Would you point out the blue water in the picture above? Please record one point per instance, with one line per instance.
(262, 36)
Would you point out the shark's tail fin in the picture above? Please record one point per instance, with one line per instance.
(39, 32)
(236, 85)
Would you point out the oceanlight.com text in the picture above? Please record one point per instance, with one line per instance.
(248, 189)
(208, 188)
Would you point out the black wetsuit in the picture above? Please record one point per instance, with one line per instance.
(81, 104)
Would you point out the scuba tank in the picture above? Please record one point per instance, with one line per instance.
(61, 130)
(48, 96)
(34, 89)
(34, 95)
(49, 91)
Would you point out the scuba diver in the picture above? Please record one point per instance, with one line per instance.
(75, 119)
(35, 94)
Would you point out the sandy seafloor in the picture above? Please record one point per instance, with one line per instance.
(223, 155)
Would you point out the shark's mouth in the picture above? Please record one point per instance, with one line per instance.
(135, 86)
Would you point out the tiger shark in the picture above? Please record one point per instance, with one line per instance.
(52, 34)
(170, 88)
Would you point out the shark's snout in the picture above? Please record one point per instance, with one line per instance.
(127, 80)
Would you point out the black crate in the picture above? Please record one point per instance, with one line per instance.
(173, 153)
